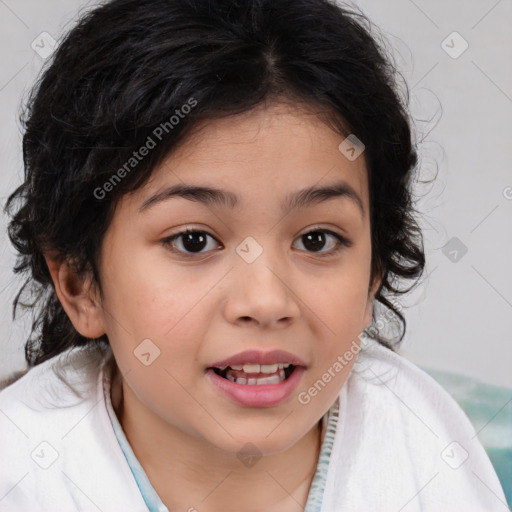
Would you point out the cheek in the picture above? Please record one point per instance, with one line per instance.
(147, 295)
(342, 321)
(163, 305)
(341, 305)
(339, 313)
(344, 293)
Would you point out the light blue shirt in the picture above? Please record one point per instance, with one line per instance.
(153, 501)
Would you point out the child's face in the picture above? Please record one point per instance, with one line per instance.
(216, 303)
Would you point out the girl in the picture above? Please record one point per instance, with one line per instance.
(216, 216)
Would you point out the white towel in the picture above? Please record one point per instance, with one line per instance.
(402, 444)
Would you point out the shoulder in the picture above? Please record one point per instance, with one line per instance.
(12, 378)
(400, 428)
(61, 383)
(68, 380)
(59, 441)
(48, 398)
(387, 376)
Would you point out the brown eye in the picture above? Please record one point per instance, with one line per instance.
(189, 242)
(315, 241)
(194, 242)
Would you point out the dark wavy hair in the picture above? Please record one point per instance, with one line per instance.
(129, 65)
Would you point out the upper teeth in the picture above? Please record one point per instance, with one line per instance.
(258, 368)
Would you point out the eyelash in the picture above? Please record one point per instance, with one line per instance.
(341, 242)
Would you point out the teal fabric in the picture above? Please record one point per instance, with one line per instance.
(316, 491)
(489, 409)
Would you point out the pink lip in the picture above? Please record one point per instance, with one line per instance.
(258, 357)
(266, 395)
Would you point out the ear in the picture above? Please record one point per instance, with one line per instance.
(79, 299)
(374, 288)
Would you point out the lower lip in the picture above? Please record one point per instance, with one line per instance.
(266, 395)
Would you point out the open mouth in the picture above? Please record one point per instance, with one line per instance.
(257, 385)
(256, 375)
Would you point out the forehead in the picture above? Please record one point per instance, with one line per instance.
(266, 153)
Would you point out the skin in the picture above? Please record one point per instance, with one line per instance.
(205, 308)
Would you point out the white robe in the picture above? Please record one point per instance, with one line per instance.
(402, 444)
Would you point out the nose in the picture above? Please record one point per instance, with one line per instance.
(261, 293)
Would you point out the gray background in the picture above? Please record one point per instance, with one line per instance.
(460, 318)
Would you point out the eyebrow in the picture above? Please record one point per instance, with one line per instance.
(211, 196)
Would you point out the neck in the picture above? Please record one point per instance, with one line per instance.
(188, 473)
